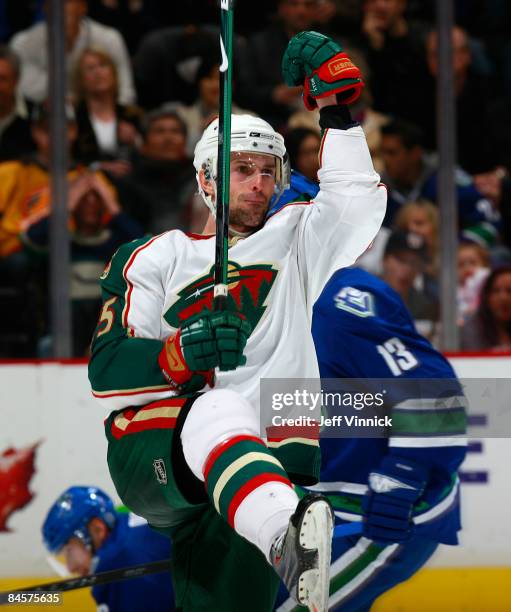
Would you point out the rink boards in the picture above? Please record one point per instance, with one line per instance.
(51, 422)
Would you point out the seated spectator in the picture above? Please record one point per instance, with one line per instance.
(490, 327)
(21, 278)
(200, 114)
(421, 218)
(19, 180)
(404, 260)
(473, 93)
(107, 130)
(394, 50)
(411, 174)
(81, 32)
(98, 227)
(260, 84)
(302, 146)
(15, 137)
(159, 190)
(473, 269)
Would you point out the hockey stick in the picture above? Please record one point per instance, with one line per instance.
(224, 156)
(71, 584)
(128, 573)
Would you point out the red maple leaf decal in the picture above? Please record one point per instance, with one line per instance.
(16, 471)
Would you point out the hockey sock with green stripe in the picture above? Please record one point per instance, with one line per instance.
(246, 483)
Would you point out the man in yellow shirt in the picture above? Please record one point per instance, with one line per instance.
(21, 180)
(24, 184)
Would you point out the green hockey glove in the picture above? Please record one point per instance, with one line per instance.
(204, 341)
(188, 358)
(231, 334)
(320, 65)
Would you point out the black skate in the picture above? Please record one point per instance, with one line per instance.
(301, 555)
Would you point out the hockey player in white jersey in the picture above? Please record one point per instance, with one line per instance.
(182, 382)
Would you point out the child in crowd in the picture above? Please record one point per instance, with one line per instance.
(473, 269)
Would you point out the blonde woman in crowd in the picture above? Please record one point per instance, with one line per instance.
(80, 32)
(107, 131)
(421, 217)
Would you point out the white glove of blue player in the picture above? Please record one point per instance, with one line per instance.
(394, 488)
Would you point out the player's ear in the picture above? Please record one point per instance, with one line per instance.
(98, 531)
(206, 182)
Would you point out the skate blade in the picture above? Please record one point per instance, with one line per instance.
(316, 533)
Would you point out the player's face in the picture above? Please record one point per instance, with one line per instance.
(252, 185)
(499, 299)
(78, 557)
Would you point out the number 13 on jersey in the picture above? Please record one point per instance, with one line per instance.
(397, 356)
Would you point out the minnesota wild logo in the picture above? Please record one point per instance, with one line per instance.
(249, 287)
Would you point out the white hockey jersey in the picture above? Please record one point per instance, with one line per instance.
(275, 276)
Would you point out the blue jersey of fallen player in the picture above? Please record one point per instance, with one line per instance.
(362, 329)
(133, 542)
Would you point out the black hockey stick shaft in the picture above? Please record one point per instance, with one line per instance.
(224, 155)
(71, 584)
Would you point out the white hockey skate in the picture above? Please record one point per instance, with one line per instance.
(301, 555)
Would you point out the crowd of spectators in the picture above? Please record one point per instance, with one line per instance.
(142, 81)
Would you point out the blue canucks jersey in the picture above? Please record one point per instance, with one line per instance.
(133, 542)
(362, 329)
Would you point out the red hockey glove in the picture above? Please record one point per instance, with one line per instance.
(203, 342)
(320, 65)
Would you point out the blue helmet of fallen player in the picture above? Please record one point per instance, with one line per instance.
(71, 513)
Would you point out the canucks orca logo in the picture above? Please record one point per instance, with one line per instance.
(249, 287)
(359, 303)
